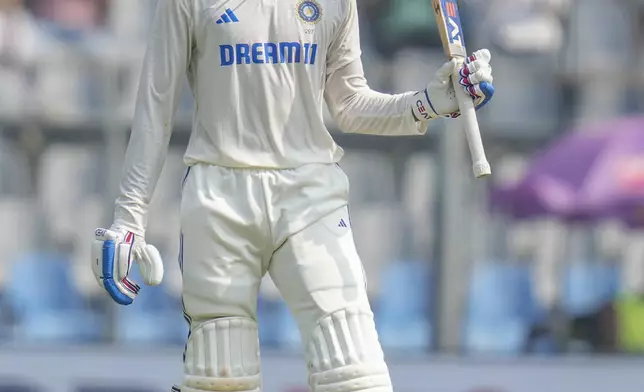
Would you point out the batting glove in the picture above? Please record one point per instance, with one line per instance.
(113, 252)
(439, 98)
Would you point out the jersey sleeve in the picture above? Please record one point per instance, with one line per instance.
(354, 106)
(164, 69)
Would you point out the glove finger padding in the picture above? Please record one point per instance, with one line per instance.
(124, 259)
(482, 54)
(476, 77)
(474, 73)
(150, 265)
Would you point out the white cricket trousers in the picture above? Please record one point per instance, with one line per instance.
(238, 224)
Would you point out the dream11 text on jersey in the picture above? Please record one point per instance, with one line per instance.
(268, 53)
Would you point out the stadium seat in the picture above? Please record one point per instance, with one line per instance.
(545, 346)
(277, 327)
(498, 337)
(500, 289)
(403, 311)
(587, 287)
(500, 309)
(288, 333)
(47, 305)
(267, 321)
(155, 317)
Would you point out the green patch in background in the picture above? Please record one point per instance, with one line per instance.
(630, 323)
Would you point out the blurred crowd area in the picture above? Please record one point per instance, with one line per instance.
(444, 272)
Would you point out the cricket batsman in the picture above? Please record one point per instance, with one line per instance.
(262, 191)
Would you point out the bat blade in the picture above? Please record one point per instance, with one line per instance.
(449, 25)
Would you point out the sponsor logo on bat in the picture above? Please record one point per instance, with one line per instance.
(450, 13)
(451, 9)
(455, 34)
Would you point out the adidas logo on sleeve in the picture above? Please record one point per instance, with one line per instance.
(227, 17)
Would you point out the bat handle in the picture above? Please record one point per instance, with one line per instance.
(480, 165)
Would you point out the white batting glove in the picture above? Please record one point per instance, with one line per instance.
(113, 252)
(439, 99)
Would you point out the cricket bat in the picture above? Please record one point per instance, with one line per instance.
(449, 27)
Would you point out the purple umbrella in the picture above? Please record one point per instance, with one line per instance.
(593, 174)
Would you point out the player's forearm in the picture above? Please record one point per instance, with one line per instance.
(144, 161)
(359, 109)
(371, 112)
(160, 85)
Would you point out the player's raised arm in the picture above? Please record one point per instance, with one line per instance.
(358, 109)
(164, 68)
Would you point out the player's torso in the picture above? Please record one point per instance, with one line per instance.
(258, 71)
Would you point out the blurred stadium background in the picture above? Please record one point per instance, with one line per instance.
(466, 299)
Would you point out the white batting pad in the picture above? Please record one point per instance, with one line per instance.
(344, 354)
(223, 355)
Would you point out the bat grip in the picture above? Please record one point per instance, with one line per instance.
(480, 165)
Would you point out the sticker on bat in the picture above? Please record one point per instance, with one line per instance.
(454, 28)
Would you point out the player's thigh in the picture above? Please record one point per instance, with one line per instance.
(318, 271)
(220, 254)
(322, 280)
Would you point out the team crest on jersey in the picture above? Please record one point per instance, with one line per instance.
(309, 11)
